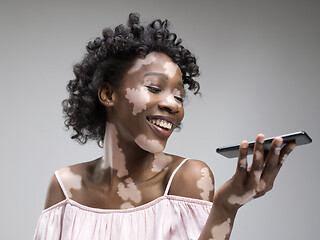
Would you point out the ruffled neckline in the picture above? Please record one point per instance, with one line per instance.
(130, 210)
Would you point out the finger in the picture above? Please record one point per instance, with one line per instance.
(258, 161)
(272, 162)
(286, 150)
(242, 160)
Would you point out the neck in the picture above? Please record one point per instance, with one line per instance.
(121, 159)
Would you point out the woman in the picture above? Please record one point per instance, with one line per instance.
(128, 95)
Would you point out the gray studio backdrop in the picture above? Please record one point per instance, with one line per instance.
(260, 65)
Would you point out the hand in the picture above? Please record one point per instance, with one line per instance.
(254, 181)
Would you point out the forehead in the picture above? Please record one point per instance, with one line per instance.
(156, 62)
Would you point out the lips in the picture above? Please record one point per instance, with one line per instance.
(162, 125)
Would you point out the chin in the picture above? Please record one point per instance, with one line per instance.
(150, 145)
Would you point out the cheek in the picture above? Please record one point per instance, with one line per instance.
(139, 98)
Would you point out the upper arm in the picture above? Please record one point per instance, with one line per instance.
(54, 193)
(195, 180)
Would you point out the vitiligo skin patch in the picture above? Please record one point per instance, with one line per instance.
(160, 161)
(149, 145)
(205, 183)
(261, 183)
(241, 200)
(139, 97)
(221, 231)
(257, 176)
(106, 160)
(73, 181)
(258, 155)
(243, 163)
(277, 150)
(129, 191)
(261, 186)
(170, 69)
(249, 195)
(111, 143)
(126, 205)
(150, 58)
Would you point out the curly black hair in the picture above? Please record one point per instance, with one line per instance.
(107, 59)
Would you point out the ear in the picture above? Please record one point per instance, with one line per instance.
(106, 94)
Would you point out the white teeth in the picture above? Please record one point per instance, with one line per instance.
(162, 123)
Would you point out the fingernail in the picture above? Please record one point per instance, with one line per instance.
(278, 142)
(244, 144)
(261, 138)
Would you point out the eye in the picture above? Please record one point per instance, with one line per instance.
(153, 89)
(179, 99)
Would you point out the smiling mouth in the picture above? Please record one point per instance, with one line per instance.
(161, 123)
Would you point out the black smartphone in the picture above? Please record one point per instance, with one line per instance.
(300, 138)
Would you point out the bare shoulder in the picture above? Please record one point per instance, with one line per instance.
(71, 173)
(54, 193)
(195, 180)
(69, 176)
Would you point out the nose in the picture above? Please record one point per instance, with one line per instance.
(170, 104)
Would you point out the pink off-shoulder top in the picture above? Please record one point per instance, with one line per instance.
(166, 217)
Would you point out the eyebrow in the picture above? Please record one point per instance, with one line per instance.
(162, 76)
(156, 74)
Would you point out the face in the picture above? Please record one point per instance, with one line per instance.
(148, 104)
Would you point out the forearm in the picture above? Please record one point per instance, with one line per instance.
(219, 224)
